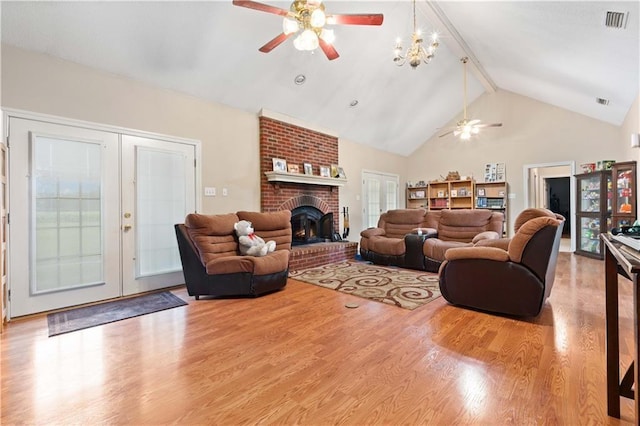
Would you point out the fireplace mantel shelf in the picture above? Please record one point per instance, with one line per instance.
(276, 177)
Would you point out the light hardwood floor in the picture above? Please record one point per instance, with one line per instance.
(300, 357)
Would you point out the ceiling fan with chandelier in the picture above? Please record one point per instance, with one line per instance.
(307, 18)
(466, 128)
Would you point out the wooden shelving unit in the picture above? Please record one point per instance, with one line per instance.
(492, 196)
(453, 194)
(461, 194)
(417, 197)
(438, 195)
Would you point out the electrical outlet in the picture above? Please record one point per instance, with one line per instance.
(225, 192)
(209, 191)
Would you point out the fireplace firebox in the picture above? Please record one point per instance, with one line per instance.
(310, 225)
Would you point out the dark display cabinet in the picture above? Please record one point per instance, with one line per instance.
(624, 195)
(593, 211)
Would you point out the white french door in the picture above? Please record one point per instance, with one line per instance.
(92, 214)
(158, 190)
(380, 194)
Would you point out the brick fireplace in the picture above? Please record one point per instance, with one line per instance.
(299, 145)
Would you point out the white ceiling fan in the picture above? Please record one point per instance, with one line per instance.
(466, 128)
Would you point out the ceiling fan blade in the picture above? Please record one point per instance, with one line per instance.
(473, 122)
(488, 125)
(277, 41)
(356, 19)
(261, 7)
(446, 133)
(328, 49)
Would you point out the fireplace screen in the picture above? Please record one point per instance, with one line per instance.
(310, 225)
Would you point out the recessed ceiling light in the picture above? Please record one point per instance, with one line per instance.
(353, 103)
(300, 79)
(602, 101)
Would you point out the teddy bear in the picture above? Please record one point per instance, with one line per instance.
(250, 243)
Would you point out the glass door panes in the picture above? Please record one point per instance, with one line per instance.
(161, 194)
(590, 193)
(67, 249)
(624, 193)
(593, 212)
(590, 234)
(380, 194)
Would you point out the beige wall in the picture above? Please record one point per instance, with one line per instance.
(630, 125)
(355, 158)
(533, 133)
(229, 137)
(43, 84)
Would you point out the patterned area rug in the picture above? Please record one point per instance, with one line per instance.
(405, 288)
(104, 313)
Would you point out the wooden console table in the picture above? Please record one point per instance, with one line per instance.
(616, 261)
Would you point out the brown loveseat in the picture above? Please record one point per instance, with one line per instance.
(418, 239)
(211, 260)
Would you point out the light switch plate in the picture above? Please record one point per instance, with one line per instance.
(225, 192)
(209, 191)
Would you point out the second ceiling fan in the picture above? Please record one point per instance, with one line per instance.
(307, 18)
(466, 128)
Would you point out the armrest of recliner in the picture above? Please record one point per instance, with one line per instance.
(486, 235)
(372, 232)
(501, 243)
(488, 253)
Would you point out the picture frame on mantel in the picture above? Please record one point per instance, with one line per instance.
(293, 168)
(334, 170)
(308, 168)
(324, 171)
(341, 173)
(279, 165)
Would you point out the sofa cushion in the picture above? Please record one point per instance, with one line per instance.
(463, 225)
(398, 223)
(275, 226)
(212, 235)
(276, 261)
(431, 219)
(229, 265)
(273, 262)
(435, 248)
(387, 245)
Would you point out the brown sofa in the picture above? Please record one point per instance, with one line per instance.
(418, 239)
(514, 281)
(211, 260)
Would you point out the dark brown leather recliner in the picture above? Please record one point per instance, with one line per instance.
(516, 281)
(211, 260)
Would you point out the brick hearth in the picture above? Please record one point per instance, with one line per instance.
(312, 255)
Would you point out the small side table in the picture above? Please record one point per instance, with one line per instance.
(413, 256)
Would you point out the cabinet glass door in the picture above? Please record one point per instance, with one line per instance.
(590, 234)
(624, 202)
(623, 191)
(590, 193)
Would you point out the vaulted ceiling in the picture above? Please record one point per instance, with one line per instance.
(560, 53)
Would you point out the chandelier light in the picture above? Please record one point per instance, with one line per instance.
(416, 52)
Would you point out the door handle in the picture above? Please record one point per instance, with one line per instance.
(126, 227)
